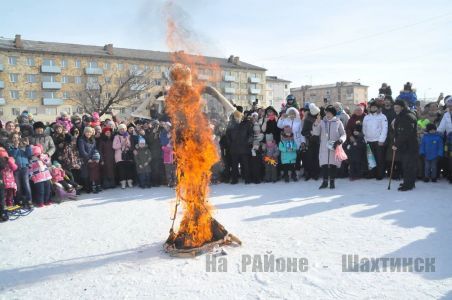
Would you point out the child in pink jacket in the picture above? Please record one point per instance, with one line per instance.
(40, 176)
(8, 177)
(168, 161)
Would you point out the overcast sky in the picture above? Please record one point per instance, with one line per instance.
(307, 42)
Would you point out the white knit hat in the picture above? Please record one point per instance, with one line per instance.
(313, 109)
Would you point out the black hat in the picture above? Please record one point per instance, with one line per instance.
(38, 124)
(400, 103)
(430, 126)
(130, 125)
(374, 103)
(331, 109)
(239, 108)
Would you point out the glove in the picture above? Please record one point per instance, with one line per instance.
(337, 143)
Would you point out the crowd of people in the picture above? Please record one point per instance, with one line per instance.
(41, 164)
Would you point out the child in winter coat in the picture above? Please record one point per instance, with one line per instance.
(431, 149)
(271, 158)
(3, 213)
(288, 149)
(94, 172)
(356, 151)
(8, 177)
(168, 161)
(20, 150)
(143, 163)
(40, 176)
(63, 188)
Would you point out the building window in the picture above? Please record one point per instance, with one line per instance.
(107, 79)
(77, 63)
(32, 94)
(12, 60)
(122, 110)
(13, 77)
(65, 79)
(30, 61)
(92, 64)
(33, 110)
(107, 96)
(78, 80)
(48, 78)
(106, 66)
(49, 94)
(49, 62)
(66, 95)
(51, 111)
(120, 67)
(1, 112)
(15, 111)
(14, 94)
(31, 78)
(64, 63)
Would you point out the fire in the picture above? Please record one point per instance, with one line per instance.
(195, 154)
(192, 140)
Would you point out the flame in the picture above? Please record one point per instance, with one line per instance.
(191, 138)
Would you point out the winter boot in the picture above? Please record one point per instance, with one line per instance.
(123, 184)
(130, 183)
(332, 175)
(325, 177)
(294, 176)
(94, 188)
(286, 177)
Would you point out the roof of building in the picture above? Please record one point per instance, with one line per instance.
(328, 86)
(100, 51)
(276, 79)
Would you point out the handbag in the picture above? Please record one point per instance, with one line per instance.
(371, 162)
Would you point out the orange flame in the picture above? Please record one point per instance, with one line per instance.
(194, 149)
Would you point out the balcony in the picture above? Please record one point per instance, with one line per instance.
(136, 72)
(255, 91)
(255, 80)
(2, 84)
(1, 67)
(50, 69)
(2, 101)
(203, 77)
(91, 86)
(137, 87)
(52, 101)
(229, 90)
(229, 78)
(94, 71)
(51, 85)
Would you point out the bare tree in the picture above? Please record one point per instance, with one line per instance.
(103, 96)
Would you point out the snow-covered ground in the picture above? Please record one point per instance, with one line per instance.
(110, 245)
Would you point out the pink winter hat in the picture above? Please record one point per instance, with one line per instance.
(37, 150)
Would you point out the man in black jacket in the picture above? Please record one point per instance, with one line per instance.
(239, 136)
(406, 143)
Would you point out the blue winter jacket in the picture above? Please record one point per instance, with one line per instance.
(288, 152)
(431, 146)
(21, 155)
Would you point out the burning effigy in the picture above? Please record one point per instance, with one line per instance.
(195, 155)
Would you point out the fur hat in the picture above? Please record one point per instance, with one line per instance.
(430, 126)
(313, 109)
(331, 109)
(38, 124)
(400, 103)
(87, 128)
(122, 126)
